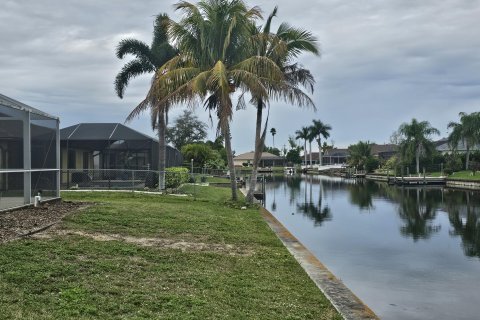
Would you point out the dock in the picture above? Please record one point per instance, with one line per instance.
(413, 181)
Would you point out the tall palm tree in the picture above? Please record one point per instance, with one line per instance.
(215, 59)
(311, 137)
(148, 59)
(273, 131)
(467, 131)
(320, 130)
(283, 47)
(417, 139)
(304, 134)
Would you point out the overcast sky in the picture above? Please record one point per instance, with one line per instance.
(383, 62)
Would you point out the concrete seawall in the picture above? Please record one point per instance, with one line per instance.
(339, 295)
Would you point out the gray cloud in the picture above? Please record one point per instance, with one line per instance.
(383, 62)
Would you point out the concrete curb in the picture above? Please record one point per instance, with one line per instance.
(344, 300)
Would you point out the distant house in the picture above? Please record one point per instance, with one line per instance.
(331, 156)
(444, 147)
(384, 151)
(267, 159)
(111, 146)
(340, 156)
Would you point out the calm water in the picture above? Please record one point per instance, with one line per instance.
(408, 253)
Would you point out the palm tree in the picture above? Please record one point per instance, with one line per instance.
(311, 136)
(304, 134)
(417, 139)
(283, 47)
(273, 131)
(360, 153)
(148, 59)
(214, 39)
(319, 129)
(467, 131)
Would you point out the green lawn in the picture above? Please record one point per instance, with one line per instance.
(465, 175)
(157, 257)
(461, 175)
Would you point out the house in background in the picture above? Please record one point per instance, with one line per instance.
(444, 147)
(384, 151)
(340, 156)
(29, 154)
(267, 160)
(111, 146)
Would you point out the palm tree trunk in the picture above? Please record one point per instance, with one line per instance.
(310, 148)
(305, 151)
(417, 159)
(161, 150)
(231, 166)
(320, 160)
(467, 160)
(257, 153)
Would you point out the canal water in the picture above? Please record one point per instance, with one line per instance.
(408, 253)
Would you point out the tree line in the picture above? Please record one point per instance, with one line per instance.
(415, 146)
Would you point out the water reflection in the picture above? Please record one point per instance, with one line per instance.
(464, 216)
(417, 208)
(409, 253)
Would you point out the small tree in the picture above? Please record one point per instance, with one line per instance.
(187, 129)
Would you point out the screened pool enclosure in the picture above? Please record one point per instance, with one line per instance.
(29, 154)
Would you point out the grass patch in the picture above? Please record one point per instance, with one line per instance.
(64, 275)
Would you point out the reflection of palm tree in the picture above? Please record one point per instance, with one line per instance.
(469, 228)
(309, 209)
(274, 203)
(418, 214)
(361, 194)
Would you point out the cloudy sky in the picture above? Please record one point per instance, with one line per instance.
(383, 62)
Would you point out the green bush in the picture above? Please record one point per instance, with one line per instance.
(175, 176)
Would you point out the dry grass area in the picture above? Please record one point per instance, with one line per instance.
(21, 222)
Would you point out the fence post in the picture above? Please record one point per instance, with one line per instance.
(133, 180)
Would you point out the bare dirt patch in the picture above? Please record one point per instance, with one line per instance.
(161, 243)
(22, 222)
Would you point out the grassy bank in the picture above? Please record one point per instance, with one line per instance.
(149, 256)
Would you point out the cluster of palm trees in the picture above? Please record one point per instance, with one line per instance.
(216, 52)
(316, 131)
(416, 137)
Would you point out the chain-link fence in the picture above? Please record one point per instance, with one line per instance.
(109, 179)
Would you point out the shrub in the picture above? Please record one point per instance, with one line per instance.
(151, 180)
(175, 176)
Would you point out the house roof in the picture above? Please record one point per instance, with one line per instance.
(265, 156)
(101, 131)
(383, 148)
(446, 147)
(9, 102)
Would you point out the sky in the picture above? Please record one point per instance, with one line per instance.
(382, 63)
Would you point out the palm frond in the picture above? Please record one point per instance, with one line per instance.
(132, 69)
(134, 47)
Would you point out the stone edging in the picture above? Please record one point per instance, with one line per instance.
(344, 300)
